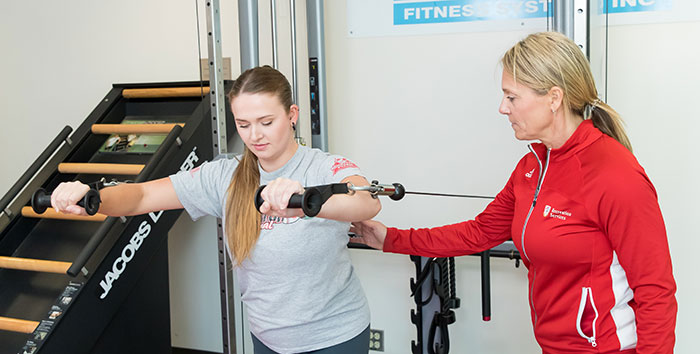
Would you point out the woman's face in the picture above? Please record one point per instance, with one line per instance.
(530, 114)
(264, 125)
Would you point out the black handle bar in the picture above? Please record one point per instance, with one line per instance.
(310, 201)
(42, 200)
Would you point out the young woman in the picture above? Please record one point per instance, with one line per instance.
(295, 273)
(579, 208)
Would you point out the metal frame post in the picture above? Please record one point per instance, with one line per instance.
(317, 72)
(293, 28)
(571, 18)
(273, 21)
(563, 17)
(248, 33)
(220, 147)
(581, 25)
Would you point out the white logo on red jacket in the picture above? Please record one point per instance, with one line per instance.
(340, 164)
(554, 213)
(529, 174)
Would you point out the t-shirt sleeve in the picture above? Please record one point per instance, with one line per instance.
(334, 169)
(202, 190)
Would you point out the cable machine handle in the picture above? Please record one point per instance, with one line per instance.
(310, 201)
(42, 200)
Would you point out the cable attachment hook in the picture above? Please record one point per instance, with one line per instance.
(395, 191)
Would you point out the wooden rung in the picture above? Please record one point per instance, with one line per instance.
(50, 213)
(17, 325)
(34, 265)
(165, 92)
(133, 128)
(100, 168)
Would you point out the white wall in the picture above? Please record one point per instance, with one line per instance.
(653, 74)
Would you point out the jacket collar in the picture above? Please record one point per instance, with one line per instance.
(584, 135)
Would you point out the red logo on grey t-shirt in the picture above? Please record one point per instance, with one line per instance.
(268, 222)
(340, 164)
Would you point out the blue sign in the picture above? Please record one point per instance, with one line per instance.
(408, 12)
(623, 6)
(445, 11)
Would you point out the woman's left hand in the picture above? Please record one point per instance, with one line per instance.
(276, 196)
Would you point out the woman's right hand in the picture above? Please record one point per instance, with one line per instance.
(65, 197)
(369, 232)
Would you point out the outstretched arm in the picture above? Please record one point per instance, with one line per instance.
(356, 207)
(121, 200)
(342, 207)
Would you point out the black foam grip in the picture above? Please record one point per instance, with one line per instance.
(91, 202)
(42, 200)
(258, 198)
(310, 202)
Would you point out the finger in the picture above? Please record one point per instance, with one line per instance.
(75, 209)
(54, 202)
(76, 195)
(273, 197)
(58, 197)
(267, 195)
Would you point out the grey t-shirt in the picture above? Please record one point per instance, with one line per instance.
(299, 285)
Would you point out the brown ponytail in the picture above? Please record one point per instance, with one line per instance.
(242, 219)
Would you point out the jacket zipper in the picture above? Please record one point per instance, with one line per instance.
(587, 294)
(532, 207)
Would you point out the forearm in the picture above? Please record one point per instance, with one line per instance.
(444, 241)
(358, 206)
(139, 198)
(490, 228)
(121, 200)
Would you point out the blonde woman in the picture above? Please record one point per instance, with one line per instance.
(579, 208)
(295, 273)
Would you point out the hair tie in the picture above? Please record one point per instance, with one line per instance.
(588, 108)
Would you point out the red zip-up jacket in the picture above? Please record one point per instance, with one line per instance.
(587, 223)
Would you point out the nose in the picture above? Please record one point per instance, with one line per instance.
(255, 132)
(503, 108)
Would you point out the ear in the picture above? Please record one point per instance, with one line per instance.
(556, 96)
(294, 113)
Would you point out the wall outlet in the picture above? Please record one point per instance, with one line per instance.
(376, 340)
